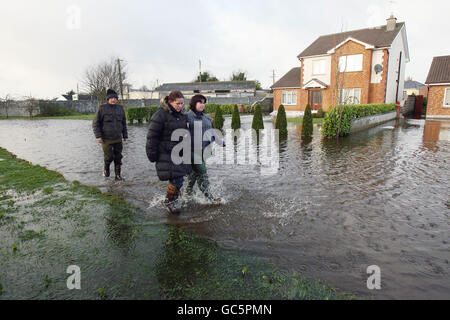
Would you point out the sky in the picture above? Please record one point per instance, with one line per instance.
(46, 46)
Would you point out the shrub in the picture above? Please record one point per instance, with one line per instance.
(210, 108)
(338, 119)
(257, 123)
(281, 122)
(320, 113)
(236, 119)
(307, 124)
(218, 118)
(54, 110)
(227, 108)
(150, 112)
(136, 113)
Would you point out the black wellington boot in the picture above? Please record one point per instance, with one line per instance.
(117, 172)
(106, 172)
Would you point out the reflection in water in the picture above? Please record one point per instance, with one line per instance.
(332, 207)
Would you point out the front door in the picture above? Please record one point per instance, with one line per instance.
(315, 99)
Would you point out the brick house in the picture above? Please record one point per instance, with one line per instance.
(286, 91)
(438, 82)
(354, 67)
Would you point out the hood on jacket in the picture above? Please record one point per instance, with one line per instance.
(165, 105)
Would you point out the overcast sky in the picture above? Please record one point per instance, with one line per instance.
(47, 45)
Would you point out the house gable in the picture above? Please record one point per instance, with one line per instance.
(366, 45)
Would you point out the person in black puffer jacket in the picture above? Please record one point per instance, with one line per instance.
(164, 122)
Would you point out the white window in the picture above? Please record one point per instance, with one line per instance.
(351, 63)
(318, 67)
(447, 97)
(289, 98)
(350, 96)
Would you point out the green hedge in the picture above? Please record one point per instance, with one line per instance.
(54, 110)
(225, 108)
(141, 113)
(150, 112)
(338, 119)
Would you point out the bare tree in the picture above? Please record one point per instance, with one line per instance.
(6, 103)
(105, 75)
(32, 105)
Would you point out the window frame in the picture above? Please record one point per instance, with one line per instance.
(291, 94)
(351, 94)
(360, 68)
(323, 66)
(446, 96)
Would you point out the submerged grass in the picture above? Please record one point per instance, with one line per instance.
(121, 252)
(74, 117)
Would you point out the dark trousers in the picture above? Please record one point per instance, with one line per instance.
(112, 151)
(177, 182)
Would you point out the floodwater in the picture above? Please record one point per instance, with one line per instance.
(331, 208)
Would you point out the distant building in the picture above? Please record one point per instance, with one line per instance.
(412, 87)
(214, 89)
(438, 82)
(83, 97)
(143, 93)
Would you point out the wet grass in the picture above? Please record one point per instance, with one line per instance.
(299, 121)
(48, 224)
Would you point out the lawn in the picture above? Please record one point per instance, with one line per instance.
(299, 121)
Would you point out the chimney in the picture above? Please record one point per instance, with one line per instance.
(391, 23)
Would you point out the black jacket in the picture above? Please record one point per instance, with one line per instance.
(159, 145)
(110, 122)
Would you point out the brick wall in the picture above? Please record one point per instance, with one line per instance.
(277, 97)
(436, 101)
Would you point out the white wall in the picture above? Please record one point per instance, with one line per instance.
(308, 70)
(398, 45)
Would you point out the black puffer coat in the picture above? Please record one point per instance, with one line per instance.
(159, 145)
(110, 122)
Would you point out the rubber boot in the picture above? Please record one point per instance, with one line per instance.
(215, 201)
(106, 172)
(117, 172)
(171, 197)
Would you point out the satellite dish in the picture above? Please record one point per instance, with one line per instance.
(378, 68)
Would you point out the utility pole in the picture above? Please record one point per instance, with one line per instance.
(120, 78)
(273, 76)
(200, 73)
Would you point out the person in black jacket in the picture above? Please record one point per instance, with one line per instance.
(110, 126)
(168, 118)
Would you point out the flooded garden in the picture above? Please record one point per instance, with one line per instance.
(332, 208)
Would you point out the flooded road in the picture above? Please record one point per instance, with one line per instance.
(333, 208)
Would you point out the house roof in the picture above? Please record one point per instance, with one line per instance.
(377, 37)
(439, 70)
(411, 84)
(289, 80)
(214, 85)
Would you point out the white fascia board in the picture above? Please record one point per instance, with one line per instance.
(366, 45)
